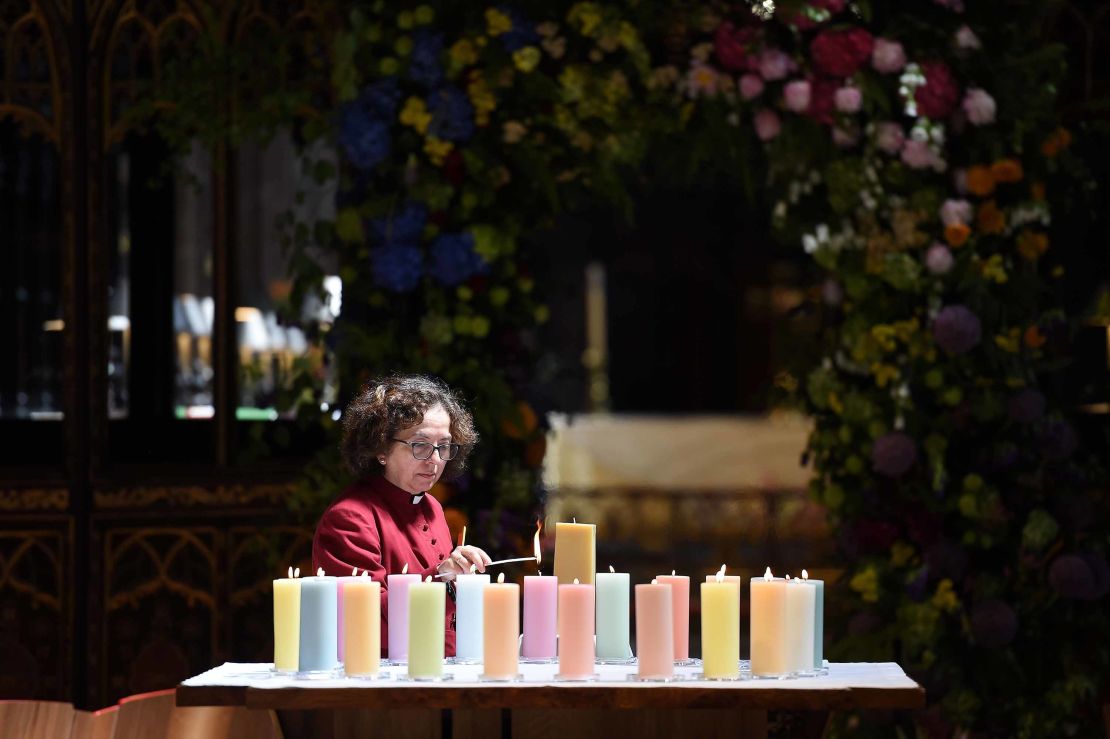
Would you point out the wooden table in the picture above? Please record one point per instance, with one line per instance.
(611, 708)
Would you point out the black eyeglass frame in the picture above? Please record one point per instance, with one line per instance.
(452, 447)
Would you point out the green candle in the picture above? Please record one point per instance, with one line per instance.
(612, 615)
(427, 610)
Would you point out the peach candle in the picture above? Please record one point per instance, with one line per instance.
(362, 628)
(654, 630)
(768, 636)
(501, 610)
(576, 630)
(680, 610)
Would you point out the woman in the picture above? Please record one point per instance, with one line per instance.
(400, 435)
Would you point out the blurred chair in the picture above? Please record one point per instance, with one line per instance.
(95, 724)
(145, 716)
(218, 722)
(35, 719)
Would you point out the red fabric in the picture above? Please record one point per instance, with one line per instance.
(373, 525)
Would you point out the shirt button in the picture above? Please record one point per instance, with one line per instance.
(441, 557)
(425, 527)
(433, 541)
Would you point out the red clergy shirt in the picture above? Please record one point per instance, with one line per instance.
(374, 525)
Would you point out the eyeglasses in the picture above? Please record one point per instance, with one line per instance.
(422, 450)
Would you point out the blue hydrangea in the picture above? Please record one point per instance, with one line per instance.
(452, 114)
(523, 33)
(364, 124)
(397, 268)
(424, 65)
(401, 227)
(454, 260)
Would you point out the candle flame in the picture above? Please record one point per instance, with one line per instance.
(611, 568)
(501, 579)
(721, 571)
(428, 578)
(788, 577)
(366, 573)
(319, 572)
(767, 575)
(290, 572)
(462, 536)
(573, 519)
(654, 581)
(354, 571)
(405, 569)
(297, 572)
(720, 576)
(473, 569)
(536, 542)
(672, 573)
(805, 575)
(576, 581)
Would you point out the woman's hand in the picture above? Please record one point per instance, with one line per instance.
(460, 561)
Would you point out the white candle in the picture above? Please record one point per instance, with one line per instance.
(469, 591)
(612, 615)
(800, 605)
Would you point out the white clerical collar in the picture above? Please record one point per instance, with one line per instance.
(417, 498)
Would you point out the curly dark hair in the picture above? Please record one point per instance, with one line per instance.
(388, 405)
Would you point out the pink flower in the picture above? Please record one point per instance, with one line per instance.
(774, 64)
(838, 53)
(797, 95)
(751, 87)
(889, 137)
(918, 155)
(955, 212)
(732, 45)
(822, 92)
(888, 56)
(966, 39)
(767, 124)
(940, 93)
(979, 107)
(844, 138)
(848, 99)
(702, 80)
(938, 259)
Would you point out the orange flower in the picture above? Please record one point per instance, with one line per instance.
(956, 235)
(1057, 140)
(1034, 339)
(990, 219)
(980, 180)
(1031, 245)
(519, 423)
(1037, 190)
(1007, 170)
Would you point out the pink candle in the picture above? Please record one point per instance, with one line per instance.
(654, 630)
(576, 630)
(680, 604)
(397, 586)
(540, 601)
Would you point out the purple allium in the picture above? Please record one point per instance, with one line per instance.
(893, 454)
(993, 623)
(956, 329)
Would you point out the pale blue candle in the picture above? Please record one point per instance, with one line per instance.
(819, 624)
(469, 617)
(319, 619)
(612, 590)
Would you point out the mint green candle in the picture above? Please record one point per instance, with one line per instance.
(427, 602)
(818, 622)
(612, 615)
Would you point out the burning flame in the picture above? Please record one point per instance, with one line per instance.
(473, 569)
(611, 569)
(319, 572)
(654, 581)
(536, 542)
(354, 572)
(805, 575)
(720, 574)
(501, 579)
(366, 573)
(672, 573)
(290, 572)
(767, 575)
(405, 569)
(297, 572)
(576, 581)
(428, 578)
(462, 536)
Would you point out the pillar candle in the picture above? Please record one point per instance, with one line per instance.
(287, 624)
(540, 604)
(468, 616)
(801, 597)
(501, 629)
(655, 630)
(576, 630)
(736, 580)
(339, 630)
(397, 586)
(612, 615)
(318, 650)
(680, 617)
(720, 629)
(818, 621)
(427, 608)
(768, 621)
(362, 627)
(575, 547)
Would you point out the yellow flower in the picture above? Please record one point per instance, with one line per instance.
(482, 98)
(627, 35)
(497, 22)
(945, 598)
(900, 553)
(437, 149)
(463, 53)
(416, 114)
(995, 270)
(835, 404)
(527, 58)
(573, 82)
(587, 16)
(884, 336)
(1009, 341)
(884, 373)
(513, 131)
(866, 583)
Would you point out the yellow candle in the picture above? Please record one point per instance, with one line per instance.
(720, 629)
(575, 548)
(287, 624)
(362, 630)
(427, 602)
(501, 631)
(770, 654)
